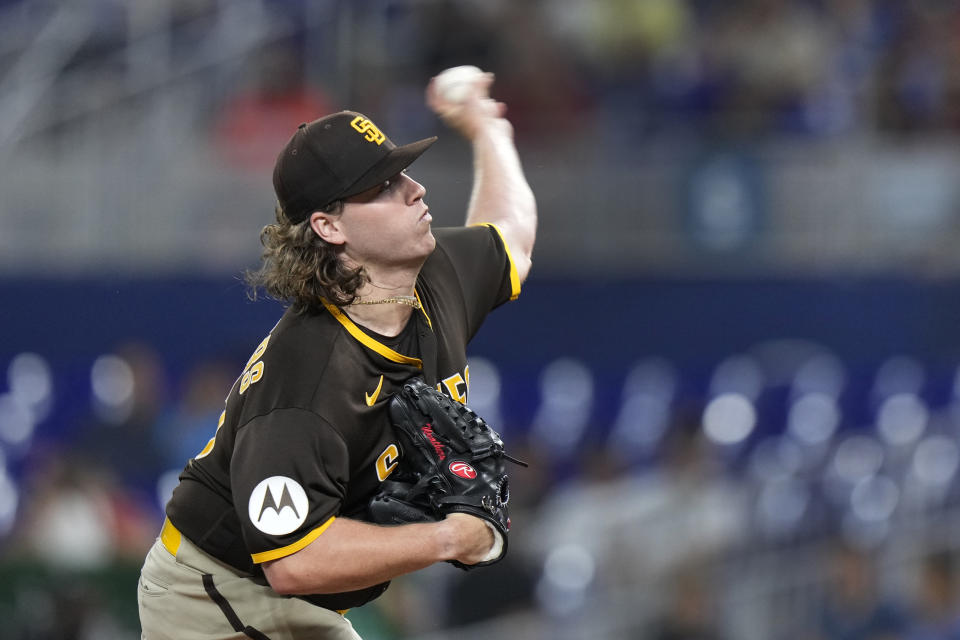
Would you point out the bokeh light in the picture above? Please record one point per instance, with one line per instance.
(729, 418)
(111, 381)
(813, 418)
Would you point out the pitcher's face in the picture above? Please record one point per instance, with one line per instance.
(388, 224)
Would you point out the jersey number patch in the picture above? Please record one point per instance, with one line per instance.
(252, 374)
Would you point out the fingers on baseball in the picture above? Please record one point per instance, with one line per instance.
(479, 91)
(440, 106)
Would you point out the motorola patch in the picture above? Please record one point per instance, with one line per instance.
(278, 505)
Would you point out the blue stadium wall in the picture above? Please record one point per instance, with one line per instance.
(608, 325)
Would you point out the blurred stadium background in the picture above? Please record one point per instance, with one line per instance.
(735, 366)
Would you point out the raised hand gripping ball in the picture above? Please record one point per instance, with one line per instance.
(455, 84)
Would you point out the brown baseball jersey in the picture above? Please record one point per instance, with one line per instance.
(305, 436)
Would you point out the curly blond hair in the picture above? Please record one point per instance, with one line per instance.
(301, 268)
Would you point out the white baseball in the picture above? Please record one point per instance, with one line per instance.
(455, 84)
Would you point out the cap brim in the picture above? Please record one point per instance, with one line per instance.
(390, 165)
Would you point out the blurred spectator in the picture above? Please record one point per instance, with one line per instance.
(638, 61)
(255, 124)
(640, 528)
(78, 537)
(777, 53)
(685, 505)
(184, 430)
(689, 611)
(538, 77)
(913, 84)
(854, 606)
(79, 518)
(937, 614)
(459, 32)
(129, 391)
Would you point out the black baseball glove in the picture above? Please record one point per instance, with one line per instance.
(451, 461)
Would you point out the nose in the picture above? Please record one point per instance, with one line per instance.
(415, 190)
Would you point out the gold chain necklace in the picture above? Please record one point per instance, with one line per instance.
(410, 301)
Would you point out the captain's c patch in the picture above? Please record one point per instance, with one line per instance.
(387, 462)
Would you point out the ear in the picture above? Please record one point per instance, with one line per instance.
(327, 226)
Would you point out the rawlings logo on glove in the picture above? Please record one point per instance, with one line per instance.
(431, 429)
(463, 470)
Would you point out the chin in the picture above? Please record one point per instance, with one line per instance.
(424, 248)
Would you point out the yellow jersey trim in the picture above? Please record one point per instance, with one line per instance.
(274, 554)
(514, 275)
(369, 342)
(170, 537)
(423, 309)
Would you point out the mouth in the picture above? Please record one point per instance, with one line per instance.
(426, 217)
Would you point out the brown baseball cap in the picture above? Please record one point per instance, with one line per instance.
(337, 156)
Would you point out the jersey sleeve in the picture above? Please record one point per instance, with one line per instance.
(480, 259)
(289, 476)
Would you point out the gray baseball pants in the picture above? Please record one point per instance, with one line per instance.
(185, 594)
